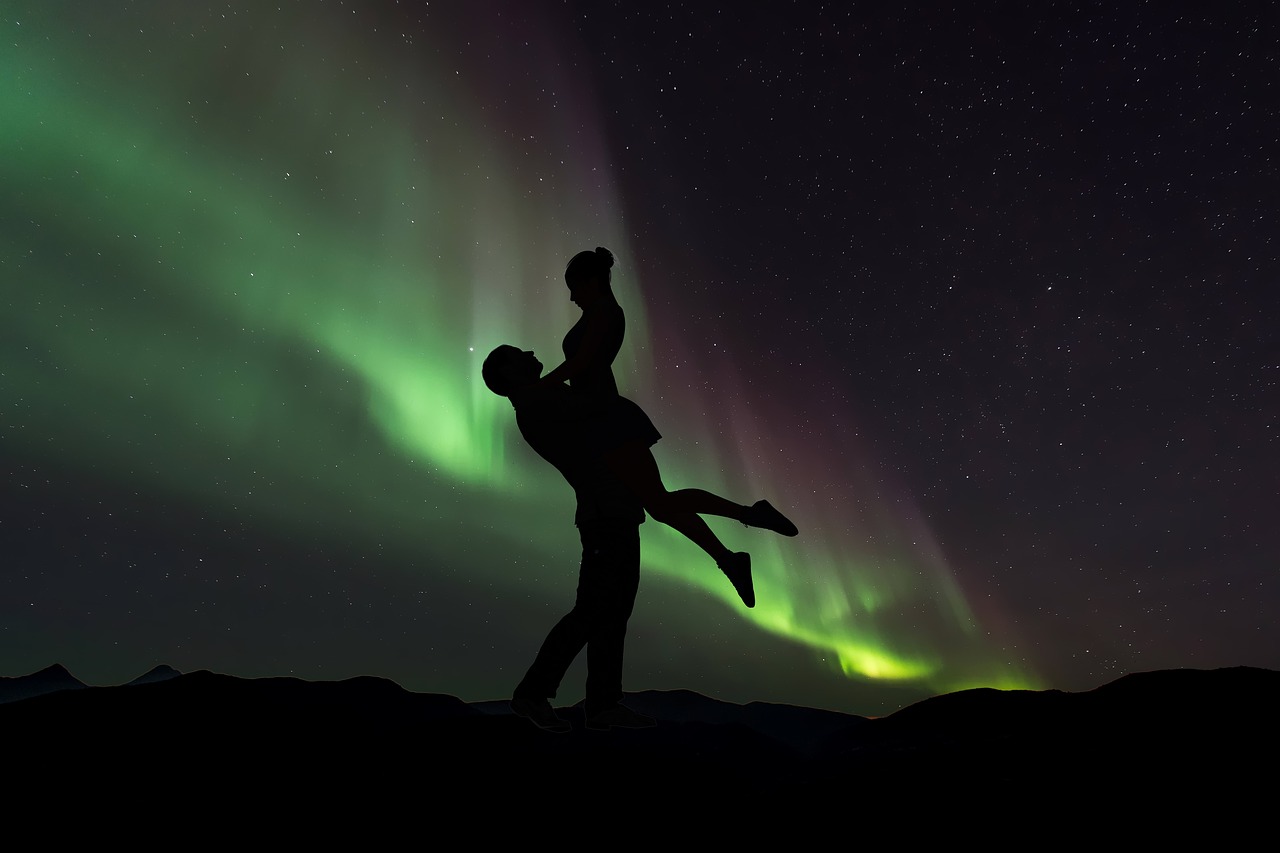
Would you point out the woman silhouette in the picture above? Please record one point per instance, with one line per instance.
(625, 433)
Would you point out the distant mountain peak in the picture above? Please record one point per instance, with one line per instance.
(161, 672)
(51, 679)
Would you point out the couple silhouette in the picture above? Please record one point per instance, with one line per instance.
(601, 442)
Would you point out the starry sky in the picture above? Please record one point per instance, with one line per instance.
(983, 298)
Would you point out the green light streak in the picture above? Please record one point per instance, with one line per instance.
(272, 289)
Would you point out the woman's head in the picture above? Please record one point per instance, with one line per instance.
(588, 275)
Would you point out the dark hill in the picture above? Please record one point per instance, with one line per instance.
(369, 739)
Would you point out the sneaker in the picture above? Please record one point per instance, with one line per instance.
(619, 717)
(762, 514)
(737, 567)
(540, 713)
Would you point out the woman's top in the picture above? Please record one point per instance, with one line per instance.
(623, 421)
(597, 376)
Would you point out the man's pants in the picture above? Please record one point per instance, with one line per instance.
(607, 585)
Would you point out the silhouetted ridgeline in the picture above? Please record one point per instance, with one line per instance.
(1151, 732)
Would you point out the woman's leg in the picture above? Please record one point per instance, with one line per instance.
(634, 465)
(706, 503)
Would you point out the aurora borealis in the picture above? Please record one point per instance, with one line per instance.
(252, 259)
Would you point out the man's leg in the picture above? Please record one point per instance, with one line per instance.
(558, 651)
(596, 582)
(607, 593)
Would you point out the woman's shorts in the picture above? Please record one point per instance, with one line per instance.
(619, 421)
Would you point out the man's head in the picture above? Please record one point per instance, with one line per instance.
(508, 369)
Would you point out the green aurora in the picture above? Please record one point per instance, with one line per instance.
(257, 265)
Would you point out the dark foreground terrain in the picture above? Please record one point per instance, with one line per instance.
(273, 743)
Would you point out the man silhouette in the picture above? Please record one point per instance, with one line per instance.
(552, 421)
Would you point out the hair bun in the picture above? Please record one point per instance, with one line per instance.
(587, 264)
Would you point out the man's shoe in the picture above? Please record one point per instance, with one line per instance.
(737, 567)
(762, 514)
(540, 713)
(619, 717)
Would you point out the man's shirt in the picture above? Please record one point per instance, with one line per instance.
(556, 422)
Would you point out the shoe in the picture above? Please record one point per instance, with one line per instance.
(762, 514)
(737, 567)
(540, 713)
(619, 717)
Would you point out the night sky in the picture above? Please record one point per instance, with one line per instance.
(983, 298)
